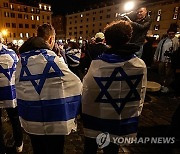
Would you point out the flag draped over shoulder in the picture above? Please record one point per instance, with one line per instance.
(8, 62)
(73, 56)
(48, 93)
(113, 95)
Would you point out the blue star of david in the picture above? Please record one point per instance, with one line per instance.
(109, 81)
(41, 77)
(9, 71)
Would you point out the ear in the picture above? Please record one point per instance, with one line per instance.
(50, 40)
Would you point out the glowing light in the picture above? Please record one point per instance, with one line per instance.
(15, 42)
(129, 6)
(40, 6)
(20, 42)
(4, 32)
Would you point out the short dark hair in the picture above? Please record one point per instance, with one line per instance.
(45, 31)
(118, 33)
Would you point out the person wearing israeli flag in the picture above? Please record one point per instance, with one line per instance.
(48, 93)
(113, 91)
(8, 62)
(73, 54)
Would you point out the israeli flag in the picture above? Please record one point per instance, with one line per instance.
(8, 62)
(48, 94)
(113, 95)
(73, 56)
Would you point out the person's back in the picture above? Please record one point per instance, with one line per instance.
(48, 93)
(148, 52)
(115, 81)
(8, 62)
(96, 49)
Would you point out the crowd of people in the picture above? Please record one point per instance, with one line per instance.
(45, 84)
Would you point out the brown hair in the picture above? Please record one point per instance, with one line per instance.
(118, 33)
(45, 31)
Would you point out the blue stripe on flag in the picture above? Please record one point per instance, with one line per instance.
(116, 127)
(74, 57)
(61, 109)
(112, 58)
(7, 93)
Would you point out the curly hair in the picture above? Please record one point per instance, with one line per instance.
(118, 33)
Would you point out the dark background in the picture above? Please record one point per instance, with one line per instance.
(70, 6)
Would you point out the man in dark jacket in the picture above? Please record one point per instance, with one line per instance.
(96, 49)
(141, 24)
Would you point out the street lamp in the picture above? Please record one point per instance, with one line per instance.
(129, 6)
(5, 34)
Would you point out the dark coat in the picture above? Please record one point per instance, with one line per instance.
(93, 51)
(140, 29)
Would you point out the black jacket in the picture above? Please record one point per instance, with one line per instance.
(33, 43)
(140, 29)
(123, 50)
(93, 51)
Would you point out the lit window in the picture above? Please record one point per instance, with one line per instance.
(176, 9)
(81, 15)
(156, 36)
(40, 6)
(11, 6)
(27, 35)
(156, 27)
(32, 17)
(6, 14)
(159, 12)
(149, 13)
(32, 9)
(37, 17)
(21, 35)
(116, 15)
(49, 8)
(158, 18)
(45, 7)
(175, 16)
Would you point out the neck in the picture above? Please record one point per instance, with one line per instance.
(0, 46)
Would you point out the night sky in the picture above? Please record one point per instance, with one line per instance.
(70, 6)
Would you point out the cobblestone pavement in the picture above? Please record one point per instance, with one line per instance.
(154, 122)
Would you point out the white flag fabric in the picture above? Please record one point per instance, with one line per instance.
(8, 62)
(113, 95)
(73, 56)
(48, 94)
